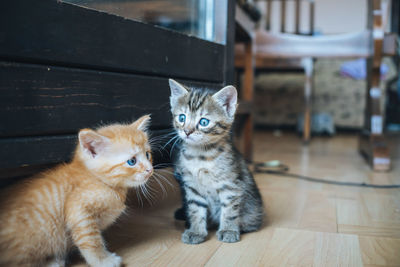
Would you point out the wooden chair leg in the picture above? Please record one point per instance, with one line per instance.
(309, 73)
(307, 124)
(372, 140)
(248, 87)
(248, 138)
(372, 143)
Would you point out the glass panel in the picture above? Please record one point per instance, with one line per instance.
(206, 19)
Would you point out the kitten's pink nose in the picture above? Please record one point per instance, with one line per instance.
(150, 170)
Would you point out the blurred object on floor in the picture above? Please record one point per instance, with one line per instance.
(321, 124)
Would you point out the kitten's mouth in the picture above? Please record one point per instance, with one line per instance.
(189, 138)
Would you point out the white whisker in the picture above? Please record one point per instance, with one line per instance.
(167, 171)
(171, 140)
(172, 148)
(161, 186)
(159, 175)
(139, 197)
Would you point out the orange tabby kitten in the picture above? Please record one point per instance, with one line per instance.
(72, 203)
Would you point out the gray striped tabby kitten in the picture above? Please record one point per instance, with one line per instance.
(217, 187)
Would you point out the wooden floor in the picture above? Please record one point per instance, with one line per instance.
(308, 224)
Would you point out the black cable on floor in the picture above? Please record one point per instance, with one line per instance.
(277, 168)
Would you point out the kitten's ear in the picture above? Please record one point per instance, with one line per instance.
(227, 98)
(92, 142)
(177, 90)
(142, 123)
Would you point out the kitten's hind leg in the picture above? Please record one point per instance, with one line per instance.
(248, 228)
(180, 214)
(252, 221)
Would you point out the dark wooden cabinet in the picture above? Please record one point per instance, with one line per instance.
(64, 67)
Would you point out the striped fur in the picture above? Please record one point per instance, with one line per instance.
(217, 187)
(71, 204)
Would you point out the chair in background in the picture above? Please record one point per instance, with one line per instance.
(296, 50)
(244, 35)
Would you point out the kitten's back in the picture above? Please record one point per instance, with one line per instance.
(32, 213)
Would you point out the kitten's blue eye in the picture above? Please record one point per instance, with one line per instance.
(204, 122)
(131, 162)
(182, 118)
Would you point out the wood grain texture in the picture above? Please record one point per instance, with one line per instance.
(245, 253)
(38, 150)
(42, 107)
(56, 100)
(380, 251)
(369, 214)
(306, 248)
(319, 213)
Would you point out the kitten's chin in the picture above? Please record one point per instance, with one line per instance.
(193, 141)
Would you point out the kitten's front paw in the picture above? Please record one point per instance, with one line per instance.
(189, 237)
(112, 260)
(228, 236)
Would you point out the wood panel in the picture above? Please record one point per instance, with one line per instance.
(27, 152)
(378, 251)
(46, 100)
(58, 33)
(245, 253)
(43, 107)
(363, 214)
(43, 100)
(36, 150)
(306, 248)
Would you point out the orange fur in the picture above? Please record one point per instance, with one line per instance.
(43, 217)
